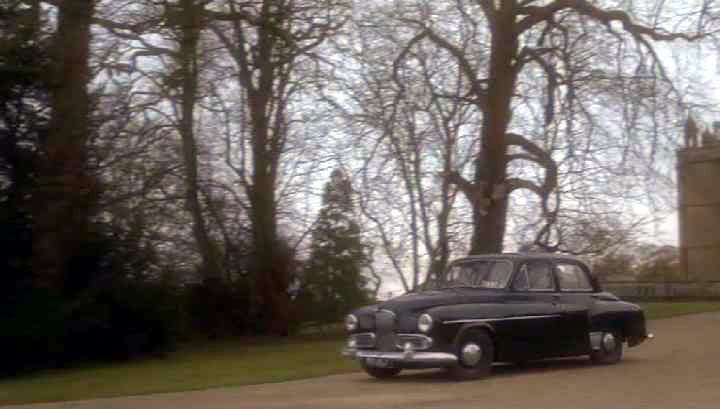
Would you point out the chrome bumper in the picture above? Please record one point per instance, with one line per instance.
(633, 341)
(404, 357)
(596, 339)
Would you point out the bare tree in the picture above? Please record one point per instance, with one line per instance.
(169, 36)
(408, 129)
(268, 42)
(189, 26)
(137, 159)
(66, 194)
(535, 72)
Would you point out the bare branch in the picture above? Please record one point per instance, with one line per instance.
(476, 83)
(537, 14)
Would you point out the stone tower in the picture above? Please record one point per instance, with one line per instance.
(698, 170)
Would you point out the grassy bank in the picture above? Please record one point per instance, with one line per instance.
(221, 363)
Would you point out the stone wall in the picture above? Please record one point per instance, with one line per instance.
(665, 291)
(699, 212)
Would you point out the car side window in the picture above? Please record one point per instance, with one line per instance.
(534, 276)
(498, 275)
(571, 277)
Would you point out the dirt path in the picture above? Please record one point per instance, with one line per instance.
(680, 369)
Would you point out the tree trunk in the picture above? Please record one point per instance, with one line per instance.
(268, 261)
(491, 166)
(66, 194)
(212, 266)
(441, 252)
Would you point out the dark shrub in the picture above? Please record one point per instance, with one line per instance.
(110, 308)
(31, 324)
(122, 319)
(114, 308)
(220, 310)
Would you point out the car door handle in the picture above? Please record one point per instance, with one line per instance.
(555, 299)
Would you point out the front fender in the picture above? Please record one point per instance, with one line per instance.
(464, 328)
(618, 315)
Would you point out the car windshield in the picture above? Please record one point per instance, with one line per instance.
(475, 273)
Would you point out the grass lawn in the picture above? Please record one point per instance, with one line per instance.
(200, 366)
(220, 363)
(657, 310)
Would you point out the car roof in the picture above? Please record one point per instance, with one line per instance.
(519, 257)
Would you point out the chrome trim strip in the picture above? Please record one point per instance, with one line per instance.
(433, 358)
(523, 317)
(411, 335)
(372, 334)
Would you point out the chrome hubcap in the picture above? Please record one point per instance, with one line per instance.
(608, 342)
(470, 354)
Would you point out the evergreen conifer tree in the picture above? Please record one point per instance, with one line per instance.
(333, 282)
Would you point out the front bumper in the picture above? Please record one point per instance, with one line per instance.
(407, 357)
(633, 341)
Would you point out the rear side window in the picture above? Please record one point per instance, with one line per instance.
(571, 277)
(498, 276)
(534, 276)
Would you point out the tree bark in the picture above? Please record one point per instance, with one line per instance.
(490, 166)
(66, 194)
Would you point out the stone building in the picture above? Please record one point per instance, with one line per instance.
(698, 170)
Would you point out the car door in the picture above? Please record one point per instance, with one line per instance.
(534, 326)
(574, 301)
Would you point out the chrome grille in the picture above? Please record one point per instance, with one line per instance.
(364, 340)
(365, 321)
(385, 330)
(417, 342)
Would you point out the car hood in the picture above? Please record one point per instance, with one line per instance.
(416, 302)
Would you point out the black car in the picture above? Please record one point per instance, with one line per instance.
(495, 308)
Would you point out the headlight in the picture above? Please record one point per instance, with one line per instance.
(425, 323)
(351, 322)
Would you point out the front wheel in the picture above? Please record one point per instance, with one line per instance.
(380, 373)
(611, 349)
(475, 356)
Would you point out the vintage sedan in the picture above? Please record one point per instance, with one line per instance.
(495, 308)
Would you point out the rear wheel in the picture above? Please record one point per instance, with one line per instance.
(475, 356)
(380, 373)
(611, 349)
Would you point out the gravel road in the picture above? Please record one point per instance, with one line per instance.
(680, 369)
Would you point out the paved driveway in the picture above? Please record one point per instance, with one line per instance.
(680, 369)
